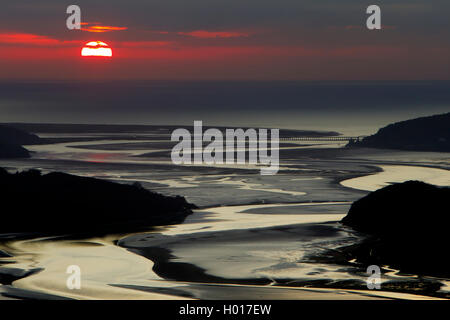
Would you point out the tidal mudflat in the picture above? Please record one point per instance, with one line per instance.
(253, 236)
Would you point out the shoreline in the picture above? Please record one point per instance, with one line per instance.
(232, 248)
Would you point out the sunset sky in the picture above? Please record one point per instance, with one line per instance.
(227, 40)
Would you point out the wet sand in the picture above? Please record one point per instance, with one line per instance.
(396, 174)
(253, 237)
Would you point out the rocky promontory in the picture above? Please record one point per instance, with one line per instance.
(12, 140)
(407, 227)
(60, 203)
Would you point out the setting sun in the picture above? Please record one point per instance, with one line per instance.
(96, 49)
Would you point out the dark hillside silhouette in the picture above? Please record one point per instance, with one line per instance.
(11, 141)
(62, 203)
(408, 227)
(11, 135)
(421, 134)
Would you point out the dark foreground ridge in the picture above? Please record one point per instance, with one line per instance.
(408, 227)
(11, 141)
(59, 203)
(421, 134)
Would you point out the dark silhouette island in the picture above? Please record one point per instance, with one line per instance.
(60, 203)
(421, 134)
(11, 141)
(407, 224)
(8, 151)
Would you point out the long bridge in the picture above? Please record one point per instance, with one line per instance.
(337, 138)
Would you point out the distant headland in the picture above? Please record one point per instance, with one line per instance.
(12, 140)
(421, 134)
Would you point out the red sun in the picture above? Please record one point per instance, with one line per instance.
(96, 49)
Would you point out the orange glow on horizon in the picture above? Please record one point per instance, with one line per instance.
(102, 28)
(96, 49)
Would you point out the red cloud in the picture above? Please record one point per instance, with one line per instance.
(100, 28)
(31, 40)
(214, 34)
(27, 38)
